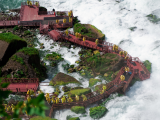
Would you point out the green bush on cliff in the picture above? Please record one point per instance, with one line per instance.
(18, 59)
(15, 28)
(27, 32)
(147, 64)
(29, 51)
(9, 37)
(97, 112)
(79, 91)
(78, 109)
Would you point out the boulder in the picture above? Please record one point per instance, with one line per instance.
(78, 109)
(9, 44)
(24, 63)
(118, 65)
(79, 92)
(63, 79)
(97, 112)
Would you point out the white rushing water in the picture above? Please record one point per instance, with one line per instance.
(142, 101)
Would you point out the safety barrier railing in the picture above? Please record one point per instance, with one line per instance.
(46, 13)
(62, 13)
(33, 3)
(128, 82)
(9, 18)
(20, 80)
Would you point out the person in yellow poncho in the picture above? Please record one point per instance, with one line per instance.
(96, 41)
(53, 99)
(57, 100)
(28, 98)
(102, 92)
(63, 99)
(77, 98)
(12, 107)
(48, 99)
(40, 91)
(8, 108)
(69, 99)
(47, 95)
(104, 87)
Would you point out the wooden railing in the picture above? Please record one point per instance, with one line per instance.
(33, 3)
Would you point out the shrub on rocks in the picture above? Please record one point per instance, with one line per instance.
(75, 118)
(93, 81)
(15, 28)
(79, 92)
(97, 112)
(69, 117)
(78, 109)
(42, 118)
(147, 64)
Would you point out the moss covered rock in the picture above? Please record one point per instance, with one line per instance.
(93, 81)
(147, 64)
(78, 109)
(89, 31)
(54, 58)
(97, 112)
(42, 118)
(74, 118)
(25, 63)
(9, 45)
(63, 79)
(79, 92)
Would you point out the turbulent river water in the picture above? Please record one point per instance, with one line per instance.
(114, 18)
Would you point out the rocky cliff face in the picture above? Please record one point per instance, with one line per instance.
(21, 65)
(8, 49)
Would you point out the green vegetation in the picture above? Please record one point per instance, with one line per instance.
(97, 112)
(81, 28)
(54, 56)
(79, 91)
(74, 118)
(99, 87)
(133, 81)
(93, 81)
(147, 64)
(27, 32)
(9, 37)
(15, 28)
(75, 20)
(29, 51)
(18, 59)
(78, 109)
(69, 117)
(153, 18)
(42, 118)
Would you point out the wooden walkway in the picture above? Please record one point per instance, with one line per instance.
(21, 84)
(29, 16)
